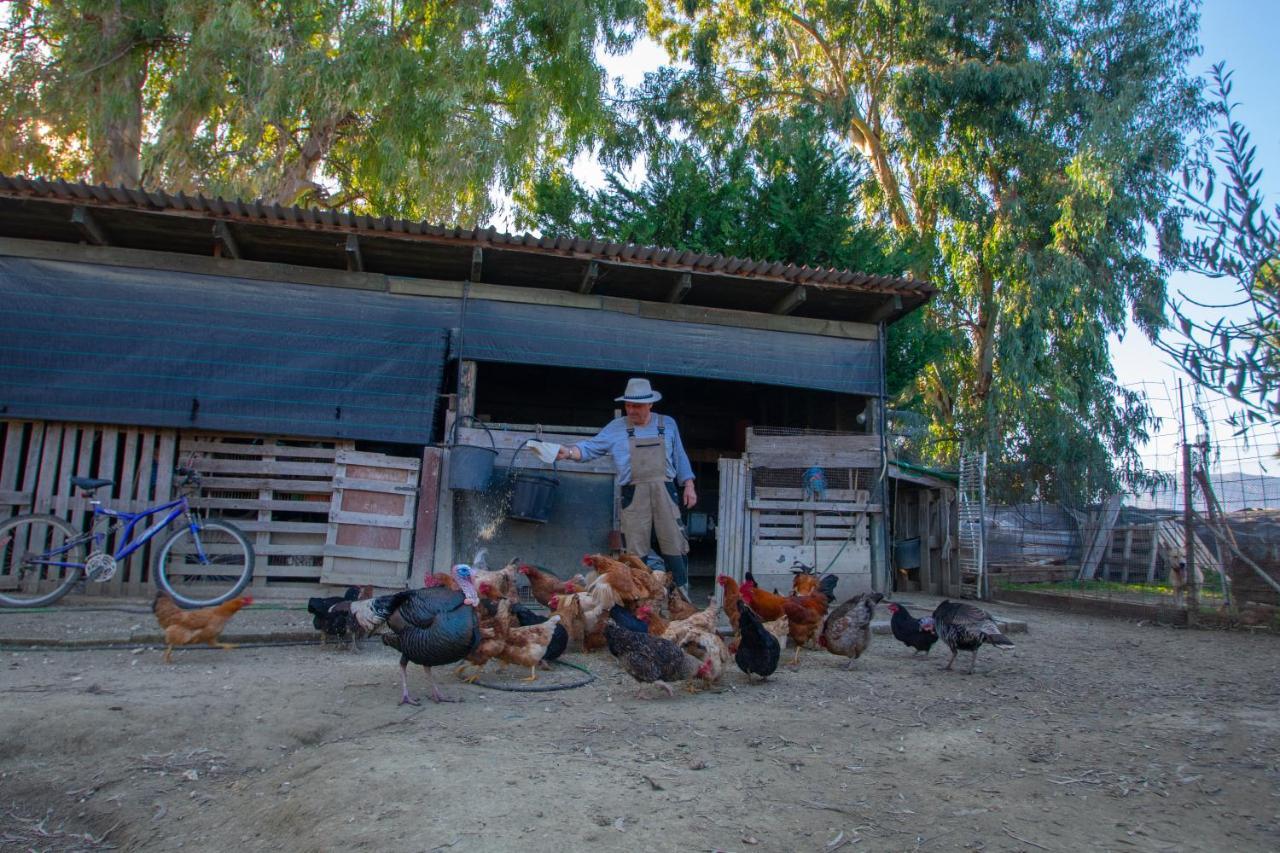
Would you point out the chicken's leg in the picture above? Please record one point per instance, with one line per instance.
(168, 655)
(224, 645)
(973, 662)
(533, 674)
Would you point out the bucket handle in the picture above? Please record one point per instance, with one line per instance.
(492, 444)
(512, 464)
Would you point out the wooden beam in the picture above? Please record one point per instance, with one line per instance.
(681, 289)
(889, 308)
(355, 260)
(467, 389)
(589, 278)
(224, 242)
(791, 301)
(88, 226)
(477, 263)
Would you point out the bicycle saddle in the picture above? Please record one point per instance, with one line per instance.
(90, 484)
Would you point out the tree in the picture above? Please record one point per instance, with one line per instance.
(1021, 149)
(397, 108)
(1232, 238)
(781, 193)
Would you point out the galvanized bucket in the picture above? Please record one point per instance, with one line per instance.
(471, 466)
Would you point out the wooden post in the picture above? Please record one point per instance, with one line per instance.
(926, 536)
(467, 389)
(1188, 532)
(424, 533)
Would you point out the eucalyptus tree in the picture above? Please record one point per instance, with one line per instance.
(390, 106)
(1232, 343)
(1024, 151)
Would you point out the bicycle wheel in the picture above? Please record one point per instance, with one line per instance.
(207, 567)
(41, 557)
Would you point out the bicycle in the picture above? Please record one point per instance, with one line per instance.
(204, 562)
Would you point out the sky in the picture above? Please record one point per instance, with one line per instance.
(1239, 32)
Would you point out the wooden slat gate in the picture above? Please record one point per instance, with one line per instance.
(371, 519)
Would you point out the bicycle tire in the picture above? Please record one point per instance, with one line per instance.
(195, 585)
(43, 584)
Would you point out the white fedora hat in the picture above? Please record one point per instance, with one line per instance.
(638, 391)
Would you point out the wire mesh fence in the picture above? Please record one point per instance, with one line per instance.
(1205, 540)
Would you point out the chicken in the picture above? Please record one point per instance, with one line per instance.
(805, 615)
(700, 620)
(657, 625)
(963, 626)
(630, 588)
(542, 583)
(652, 660)
(804, 584)
(429, 627)
(331, 625)
(730, 599)
(189, 627)
(758, 650)
(656, 582)
(679, 607)
(848, 628)
(560, 639)
(767, 605)
(493, 622)
(527, 645)
(430, 581)
(780, 628)
(501, 583)
(627, 619)
(919, 634)
(569, 609)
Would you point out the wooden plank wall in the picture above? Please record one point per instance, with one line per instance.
(371, 520)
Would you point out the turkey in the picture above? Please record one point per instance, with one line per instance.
(963, 626)
(429, 627)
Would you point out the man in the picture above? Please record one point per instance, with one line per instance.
(650, 459)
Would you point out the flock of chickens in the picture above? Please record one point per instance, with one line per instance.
(471, 616)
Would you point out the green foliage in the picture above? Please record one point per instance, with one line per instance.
(1022, 152)
(1232, 238)
(397, 108)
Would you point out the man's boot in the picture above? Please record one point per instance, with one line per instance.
(678, 565)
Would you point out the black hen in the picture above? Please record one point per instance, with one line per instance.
(626, 619)
(337, 624)
(559, 639)
(919, 634)
(963, 626)
(651, 660)
(758, 650)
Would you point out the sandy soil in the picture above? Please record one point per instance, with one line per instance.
(1092, 734)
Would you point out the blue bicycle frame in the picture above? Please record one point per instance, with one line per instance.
(128, 543)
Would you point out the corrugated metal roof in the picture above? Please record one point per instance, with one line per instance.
(160, 201)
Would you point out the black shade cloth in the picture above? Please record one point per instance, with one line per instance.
(83, 342)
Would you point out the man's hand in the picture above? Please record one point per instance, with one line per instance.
(565, 452)
(690, 496)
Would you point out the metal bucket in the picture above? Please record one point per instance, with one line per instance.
(532, 493)
(471, 466)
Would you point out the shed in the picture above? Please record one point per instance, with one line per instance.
(322, 365)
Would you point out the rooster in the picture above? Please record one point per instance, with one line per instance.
(188, 627)
(963, 626)
(333, 624)
(919, 634)
(848, 628)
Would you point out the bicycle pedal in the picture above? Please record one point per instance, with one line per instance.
(100, 567)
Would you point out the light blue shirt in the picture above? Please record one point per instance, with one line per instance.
(613, 439)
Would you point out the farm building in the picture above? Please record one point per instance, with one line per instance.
(332, 376)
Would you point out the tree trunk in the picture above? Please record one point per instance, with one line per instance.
(118, 86)
(984, 333)
(299, 174)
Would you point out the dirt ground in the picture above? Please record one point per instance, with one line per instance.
(1093, 734)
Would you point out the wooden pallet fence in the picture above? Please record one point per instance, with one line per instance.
(277, 490)
(38, 459)
(371, 520)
